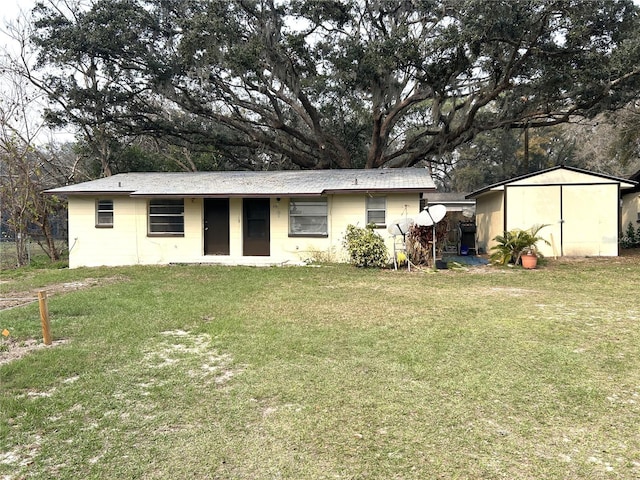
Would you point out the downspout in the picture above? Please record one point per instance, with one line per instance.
(504, 210)
(561, 222)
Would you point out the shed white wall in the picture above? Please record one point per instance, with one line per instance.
(528, 206)
(127, 243)
(489, 219)
(582, 219)
(582, 211)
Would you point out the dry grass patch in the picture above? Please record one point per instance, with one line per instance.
(332, 372)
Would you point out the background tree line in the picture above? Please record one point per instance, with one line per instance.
(478, 91)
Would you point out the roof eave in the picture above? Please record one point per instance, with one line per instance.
(85, 193)
(379, 190)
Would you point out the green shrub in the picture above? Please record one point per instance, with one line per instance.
(512, 244)
(365, 247)
(630, 238)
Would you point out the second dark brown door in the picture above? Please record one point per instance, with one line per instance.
(256, 227)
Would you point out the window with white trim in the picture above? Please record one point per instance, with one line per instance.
(377, 211)
(104, 214)
(166, 217)
(308, 217)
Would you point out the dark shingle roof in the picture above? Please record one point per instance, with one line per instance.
(247, 184)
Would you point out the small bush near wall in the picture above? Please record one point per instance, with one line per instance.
(365, 247)
(317, 256)
(630, 238)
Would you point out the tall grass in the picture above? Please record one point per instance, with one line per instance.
(36, 257)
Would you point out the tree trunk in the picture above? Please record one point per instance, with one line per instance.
(22, 255)
(50, 249)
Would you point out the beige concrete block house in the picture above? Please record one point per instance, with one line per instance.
(250, 218)
(583, 210)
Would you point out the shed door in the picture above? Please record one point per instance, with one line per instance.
(256, 228)
(583, 219)
(216, 226)
(590, 224)
(529, 205)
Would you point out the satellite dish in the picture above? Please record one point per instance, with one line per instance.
(431, 215)
(400, 226)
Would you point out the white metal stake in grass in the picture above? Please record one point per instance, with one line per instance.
(44, 317)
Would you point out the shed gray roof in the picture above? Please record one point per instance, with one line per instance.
(254, 184)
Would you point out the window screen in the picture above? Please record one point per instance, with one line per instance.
(166, 217)
(308, 216)
(104, 213)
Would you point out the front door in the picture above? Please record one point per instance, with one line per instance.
(216, 226)
(256, 212)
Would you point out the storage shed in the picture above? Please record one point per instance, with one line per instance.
(582, 210)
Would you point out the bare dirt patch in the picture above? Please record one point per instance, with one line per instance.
(11, 349)
(18, 349)
(19, 298)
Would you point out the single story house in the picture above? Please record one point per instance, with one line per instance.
(582, 209)
(250, 218)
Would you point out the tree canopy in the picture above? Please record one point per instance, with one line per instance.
(331, 84)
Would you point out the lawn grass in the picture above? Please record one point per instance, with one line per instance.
(37, 258)
(327, 372)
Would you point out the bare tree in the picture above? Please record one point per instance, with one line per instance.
(30, 162)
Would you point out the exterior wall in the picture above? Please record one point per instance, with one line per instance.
(489, 219)
(127, 243)
(590, 228)
(343, 210)
(561, 176)
(582, 218)
(536, 205)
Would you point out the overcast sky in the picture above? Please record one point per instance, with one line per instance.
(9, 12)
(11, 8)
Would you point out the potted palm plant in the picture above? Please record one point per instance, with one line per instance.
(529, 257)
(518, 246)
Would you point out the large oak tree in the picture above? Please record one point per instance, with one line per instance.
(328, 84)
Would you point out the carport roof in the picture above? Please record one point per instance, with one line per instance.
(284, 183)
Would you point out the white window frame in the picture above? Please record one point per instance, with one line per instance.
(165, 217)
(373, 209)
(104, 213)
(308, 217)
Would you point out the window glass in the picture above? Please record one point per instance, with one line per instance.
(308, 216)
(377, 210)
(166, 217)
(104, 213)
